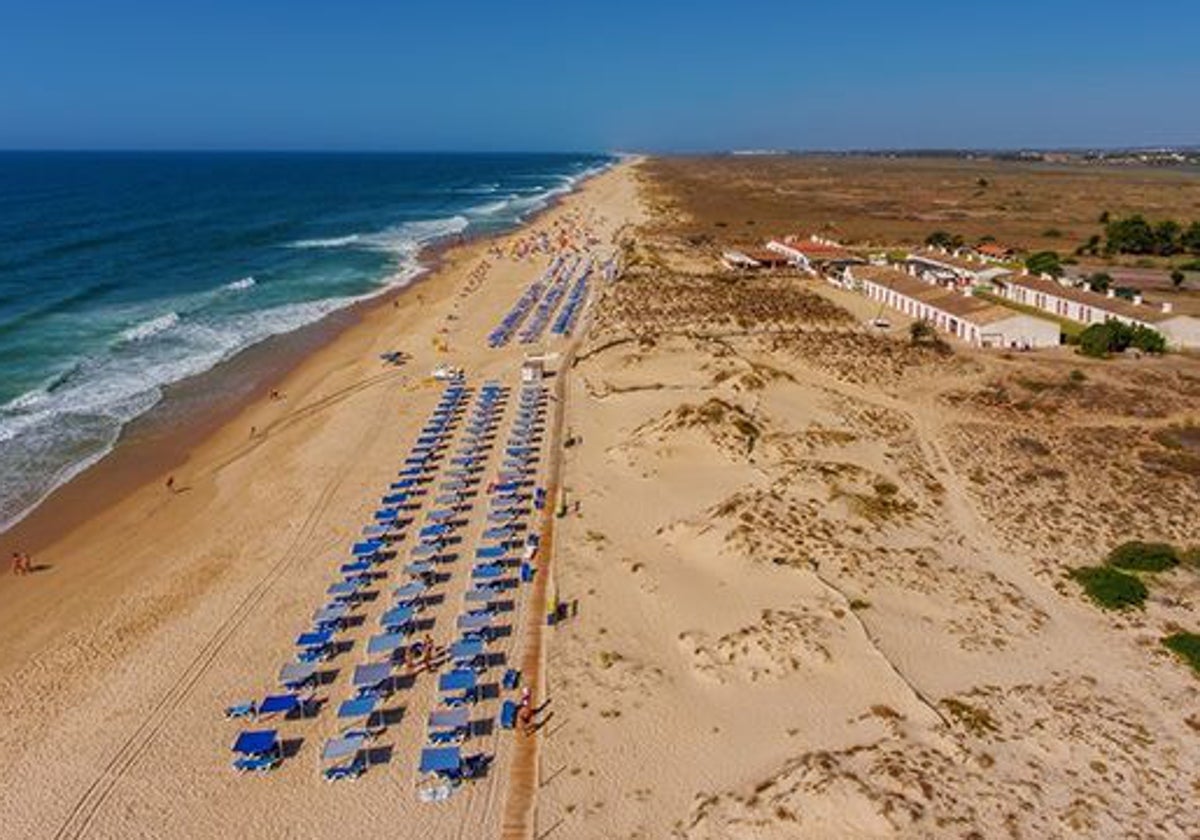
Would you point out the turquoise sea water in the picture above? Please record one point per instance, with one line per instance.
(123, 273)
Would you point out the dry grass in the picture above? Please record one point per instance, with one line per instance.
(879, 201)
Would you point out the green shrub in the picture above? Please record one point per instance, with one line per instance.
(1044, 262)
(1137, 556)
(1111, 589)
(1100, 340)
(1186, 646)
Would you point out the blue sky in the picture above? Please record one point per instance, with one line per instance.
(540, 75)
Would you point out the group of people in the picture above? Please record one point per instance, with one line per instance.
(22, 564)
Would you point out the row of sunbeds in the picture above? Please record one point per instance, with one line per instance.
(512, 321)
(549, 303)
(503, 559)
(360, 717)
(565, 322)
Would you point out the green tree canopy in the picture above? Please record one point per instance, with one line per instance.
(1045, 262)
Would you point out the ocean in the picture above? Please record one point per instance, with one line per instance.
(122, 273)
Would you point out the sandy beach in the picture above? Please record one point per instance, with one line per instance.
(146, 620)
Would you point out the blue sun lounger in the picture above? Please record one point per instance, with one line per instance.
(258, 751)
(344, 758)
(385, 644)
(465, 652)
(487, 571)
(440, 515)
(355, 569)
(314, 638)
(386, 515)
(445, 762)
(366, 548)
(346, 590)
(434, 530)
(508, 715)
(459, 679)
(369, 679)
(498, 533)
(397, 619)
(331, 614)
(419, 569)
(473, 621)
(280, 704)
(448, 726)
(296, 675)
(479, 596)
(358, 709)
(491, 552)
(409, 593)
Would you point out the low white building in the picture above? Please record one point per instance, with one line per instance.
(949, 268)
(973, 320)
(1088, 307)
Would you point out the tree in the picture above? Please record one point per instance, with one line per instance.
(1044, 262)
(942, 239)
(1099, 282)
(1130, 236)
(1177, 278)
(1092, 246)
(1190, 240)
(1104, 217)
(1166, 237)
(1100, 340)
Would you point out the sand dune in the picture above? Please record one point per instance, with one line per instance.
(805, 613)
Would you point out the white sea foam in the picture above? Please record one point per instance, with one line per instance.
(405, 238)
(240, 285)
(333, 242)
(150, 328)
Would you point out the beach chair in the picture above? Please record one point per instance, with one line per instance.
(372, 679)
(281, 704)
(240, 711)
(343, 758)
(355, 717)
(257, 751)
(511, 678)
(448, 726)
(508, 715)
(296, 675)
(397, 620)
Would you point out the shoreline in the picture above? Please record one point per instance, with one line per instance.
(153, 444)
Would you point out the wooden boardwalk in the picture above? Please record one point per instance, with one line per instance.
(519, 819)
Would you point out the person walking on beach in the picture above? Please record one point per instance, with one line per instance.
(18, 564)
(170, 484)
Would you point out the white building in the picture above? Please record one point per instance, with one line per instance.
(1088, 307)
(973, 320)
(953, 269)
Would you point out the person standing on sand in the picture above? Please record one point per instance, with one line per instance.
(170, 484)
(18, 564)
(26, 563)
